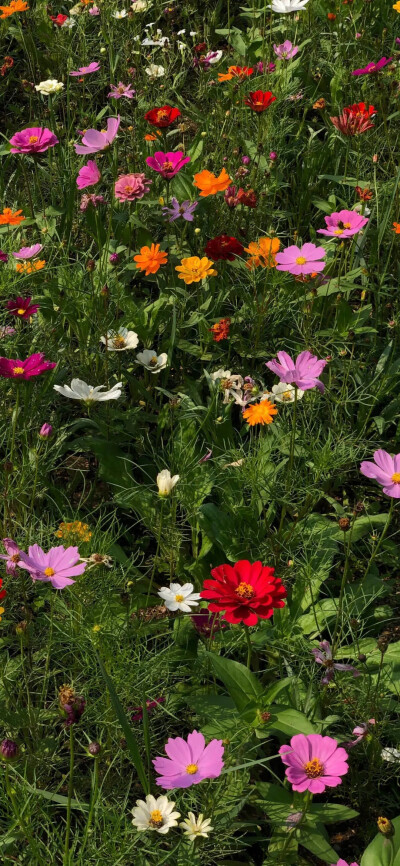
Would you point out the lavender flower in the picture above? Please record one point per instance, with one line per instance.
(323, 656)
(184, 210)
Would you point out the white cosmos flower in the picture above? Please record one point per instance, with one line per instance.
(51, 85)
(155, 814)
(79, 390)
(283, 393)
(195, 827)
(166, 483)
(231, 384)
(120, 14)
(177, 597)
(151, 361)
(140, 5)
(390, 754)
(181, 32)
(69, 23)
(120, 340)
(155, 71)
(285, 6)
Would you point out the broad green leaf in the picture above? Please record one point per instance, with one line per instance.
(291, 721)
(242, 685)
(329, 813)
(316, 841)
(378, 852)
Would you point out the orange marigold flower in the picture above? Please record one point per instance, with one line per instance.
(193, 269)
(30, 267)
(15, 6)
(8, 218)
(209, 184)
(235, 72)
(150, 259)
(262, 252)
(260, 413)
(220, 330)
(396, 228)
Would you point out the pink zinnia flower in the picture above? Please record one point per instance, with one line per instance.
(32, 366)
(130, 187)
(88, 175)
(85, 70)
(301, 260)
(58, 566)
(22, 308)
(12, 556)
(343, 224)
(167, 164)
(93, 141)
(373, 67)
(34, 139)
(28, 252)
(120, 89)
(385, 470)
(286, 51)
(314, 762)
(190, 762)
(303, 372)
(343, 863)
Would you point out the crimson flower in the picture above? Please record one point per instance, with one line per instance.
(223, 248)
(22, 307)
(59, 19)
(354, 119)
(246, 592)
(163, 116)
(32, 366)
(259, 100)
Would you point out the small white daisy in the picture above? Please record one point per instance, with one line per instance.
(177, 597)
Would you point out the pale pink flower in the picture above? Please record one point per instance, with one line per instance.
(343, 224)
(130, 187)
(85, 70)
(12, 556)
(303, 372)
(385, 469)
(94, 141)
(58, 565)
(120, 89)
(301, 260)
(189, 762)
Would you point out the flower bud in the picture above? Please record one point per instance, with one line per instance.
(8, 750)
(344, 524)
(114, 259)
(45, 431)
(166, 482)
(385, 826)
(273, 155)
(362, 657)
(94, 749)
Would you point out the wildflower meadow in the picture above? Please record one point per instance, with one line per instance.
(200, 433)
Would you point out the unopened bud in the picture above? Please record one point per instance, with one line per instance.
(344, 524)
(385, 826)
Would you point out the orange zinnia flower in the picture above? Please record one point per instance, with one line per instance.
(220, 330)
(193, 269)
(15, 6)
(209, 184)
(30, 267)
(150, 259)
(260, 413)
(396, 228)
(235, 72)
(8, 218)
(152, 136)
(262, 252)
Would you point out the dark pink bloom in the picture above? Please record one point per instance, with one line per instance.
(85, 70)
(385, 470)
(314, 762)
(208, 624)
(138, 711)
(303, 372)
(188, 763)
(3, 257)
(58, 565)
(342, 862)
(301, 260)
(12, 556)
(130, 187)
(45, 431)
(343, 224)
(94, 142)
(118, 90)
(323, 656)
(34, 139)
(32, 366)
(22, 308)
(265, 67)
(88, 175)
(167, 164)
(28, 252)
(373, 67)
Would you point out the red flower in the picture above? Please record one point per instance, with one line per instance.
(354, 119)
(247, 197)
(363, 194)
(223, 248)
(259, 100)
(59, 19)
(220, 330)
(3, 592)
(22, 308)
(163, 116)
(246, 592)
(32, 366)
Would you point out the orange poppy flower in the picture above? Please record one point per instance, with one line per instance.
(193, 269)
(260, 413)
(235, 72)
(396, 228)
(262, 252)
(30, 267)
(8, 218)
(150, 259)
(15, 6)
(209, 184)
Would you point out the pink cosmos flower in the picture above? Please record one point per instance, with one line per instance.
(120, 89)
(89, 198)
(361, 732)
(32, 366)
(58, 566)
(12, 556)
(301, 260)
(303, 372)
(130, 187)
(314, 762)
(286, 51)
(93, 141)
(28, 252)
(34, 139)
(94, 10)
(343, 224)
(45, 431)
(167, 164)
(88, 175)
(188, 763)
(373, 67)
(85, 70)
(385, 470)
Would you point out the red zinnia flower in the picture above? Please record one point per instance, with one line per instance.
(59, 19)
(32, 366)
(246, 592)
(259, 100)
(163, 116)
(354, 119)
(22, 308)
(220, 330)
(223, 248)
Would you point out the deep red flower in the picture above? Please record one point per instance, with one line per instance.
(3, 592)
(223, 248)
(22, 308)
(246, 591)
(364, 194)
(247, 197)
(259, 100)
(354, 119)
(220, 330)
(7, 64)
(163, 116)
(32, 366)
(59, 19)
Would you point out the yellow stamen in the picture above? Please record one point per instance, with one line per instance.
(21, 312)
(192, 769)
(301, 260)
(49, 572)
(18, 371)
(313, 768)
(245, 590)
(179, 598)
(33, 139)
(396, 478)
(156, 818)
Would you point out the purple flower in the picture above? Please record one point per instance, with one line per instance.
(12, 556)
(303, 372)
(343, 224)
(301, 260)
(28, 252)
(94, 11)
(3, 257)
(93, 141)
(8, 750)
(188, 763)
(373, 67)
(323, 656)
(245, 160)
(385, 470)
(273, 155)
(34, 139)
(208, 624)
(85, 70)
(184, 210)
(120, 89)
(265, 67)
(167, 164)
(361, 732)
(45, 431)
(138, 711)
(114, 259)
(91, 198)
(286, 50)
(88, 175)
(58, 565)
(74, 710)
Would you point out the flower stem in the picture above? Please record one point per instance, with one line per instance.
(249, 647)
(156, 553)
(383, 536)
(70, 792)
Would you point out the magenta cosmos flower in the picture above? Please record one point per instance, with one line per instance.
(93, 141)
(34, 139)
(86, 70)
(385, 470)
(12, 556)
(343, 863)
(28, 252)
(188, 763)
(88, 175)
(118, 90)
(373, 67)
(303, 372)
(58, 566)
(314, 762)
(33, 366)
(343, 224)
(22, 307)
(167, 164)
(301, 260)
(130, 187)
(286, 51)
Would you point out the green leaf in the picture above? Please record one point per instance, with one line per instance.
(241, 683)
(316, 841)
(58, 798)
(329, 813)
(378, 852)
(291, 722)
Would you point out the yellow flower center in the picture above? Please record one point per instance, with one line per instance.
(338, 231)
(192, 769)
(396, 478)
(128, 188)
(119, 342)
(161, 114)
(33, 139)
(156, 818)
(18, 371)
(245, 590)
(347, 225)
(121, 89)
(301, 260)
(179, 598)
(49, 572)
(167, 166)
(15, 557)
(21, 312)
(153, 361)
(313, 768)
